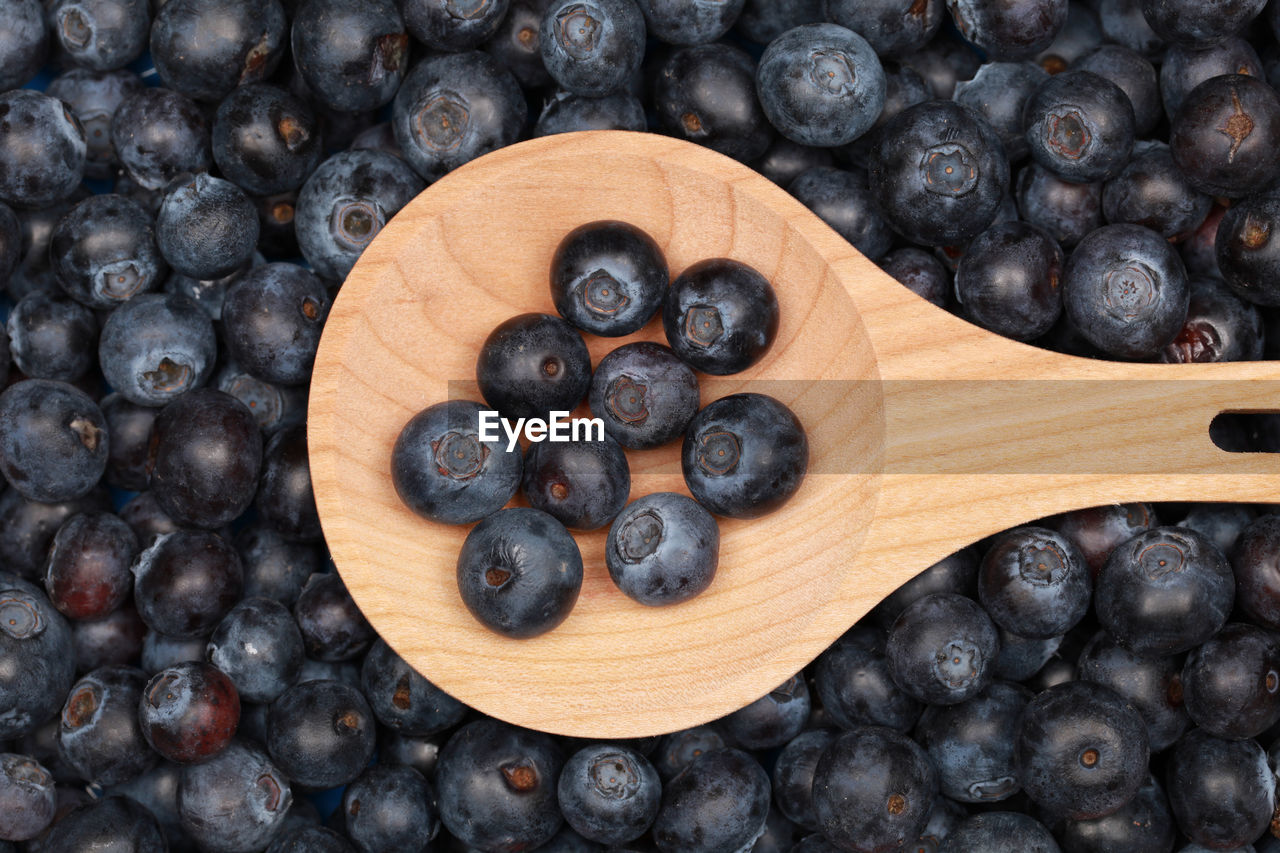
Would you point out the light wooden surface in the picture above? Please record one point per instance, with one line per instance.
(927, 433)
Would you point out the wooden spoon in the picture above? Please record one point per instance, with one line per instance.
(926, 433)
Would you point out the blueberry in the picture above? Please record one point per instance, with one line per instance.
(972, 744)
(592, 48)
(189, 712)
(920, 272)
(1257, 571)
(938, 173)
(114, 640)
(158, 135)
(285, 498)
(305, 838)
(942, 649)
(997, 93)
(720, 316)
(610, 794)
(681, 23)
(88, 573)
(1006, 32)
(453, 25)
(1126, 290)
(663, 548)
(321, 733)
(497, 786)
(1143, 825)
(1152, 685)
(784, 160)
(1222, 523)
(110, 823)
(891, 27)
(1222, 792)
(1080, 126)
(390, 807)
(42, 146)
(205, 48)
(1097, 531)
(104, 251)
(744, 455)
(24, 43)
(37, 640)
(1225, 133)
(186, 582)
(792, 775)
(515, 44)
(452, 108)
(419, 752)
(235, 801)
(707, 94)
(519, 572)
(853, 680)
(1184, 68)
(1082, 750)
(274, 567)
(1008, 279)
(26, 797)
(271, 318)
(346, 202)
(608, 278)
(718, 804)
(762, 21)
(1069, 212)
(443, 471)
(1164, 591)
(568, 113)
(1220, 326)
(27, 528)
(53, 440)
(582, 484)
(333, 628)
(532, 365)
(1247, 258)
(820, 84)
(206, 227)
(1187, 22)
(402, 699)
(265, 140)
(872, 788)
(207, 451)
(1122, 22)
(1135, 76)
(943, 62)
(94, 96)
(1000, 832)
(351, 57)
(1021, 658)
(1034, 583)
(258, 646)
(841, 198)
(274, 407)
(773, 719)
(99, 34)
(52, 337)
(1232, 683)
(1151, 191)
(675, 751)
(99, 734)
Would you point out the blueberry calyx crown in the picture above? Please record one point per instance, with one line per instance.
(578, 30)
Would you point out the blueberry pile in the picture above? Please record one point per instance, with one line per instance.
(520, 570)
(184, 185)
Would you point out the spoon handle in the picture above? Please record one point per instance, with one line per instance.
(982, 433)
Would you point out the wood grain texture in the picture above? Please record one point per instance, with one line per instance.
(926, 434)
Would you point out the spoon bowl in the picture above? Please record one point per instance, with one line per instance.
(926, 433)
